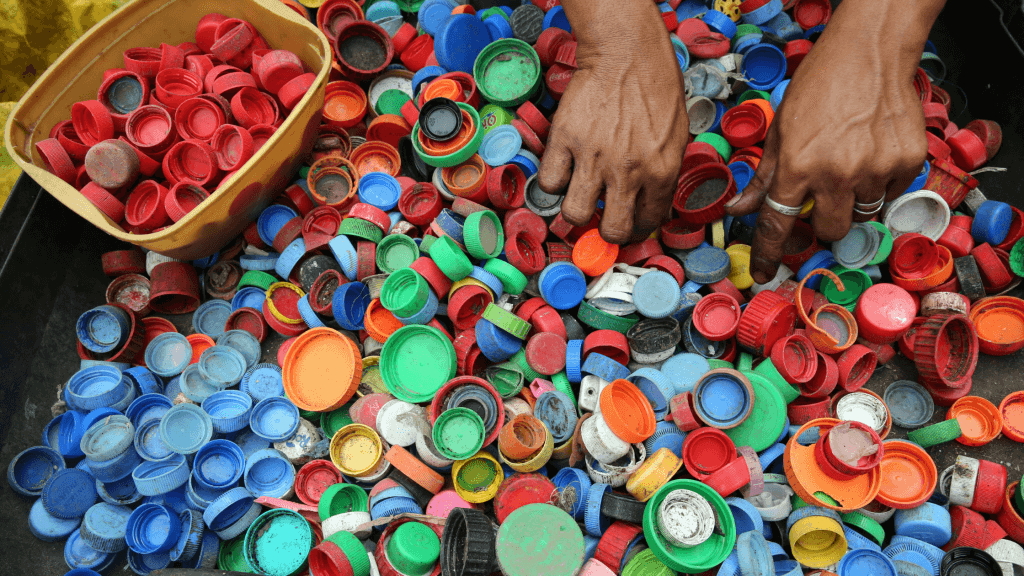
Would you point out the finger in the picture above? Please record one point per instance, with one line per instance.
(653, 204)
(750, 198)
(556, 166)
(774, 228)
(581, 196)
(832, 215)
(870, 192)
(619, 207)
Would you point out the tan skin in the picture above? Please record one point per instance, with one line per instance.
(850, 128)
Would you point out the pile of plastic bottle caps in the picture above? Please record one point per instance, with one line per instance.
(410, 364)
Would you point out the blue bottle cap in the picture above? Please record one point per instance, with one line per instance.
(489, 279)
(311, 318)
(249, 442)
(153, 478)
(595, 522)
(589, 546)
(108, 438)
(229, 410)
(555, 17)
(574, 361)
(425, 314)
(500, 145)
(394, 507)
(920, 179)
(723, 399)
(175, 500)
(117, 468)
(910, 405)
(345, 253)
(103, 527)
(748, 518)
(185, 428)
(820, 259)
(763, 14)
(743, 44)
(604, 367)
(349, 305)
(222, 366)
(152, 528)
(496, 344)
(143, 564)
(558, 413)
(928, 523)
(666, 435)
(858, 247)
(562, 285)
(195, 386)
(578, 482)
(190, 536)
(79, 555)
(685, 370)
(259, 261)
(790, 32)
(858, 562)
(69, 493)
(228, 508)
(103, 329)
(32, 468)
(764, 65)
(290, 257)
(527, 161)
(119, 492)
(210, 317)
(144, 381)
(382, 9)
(218, 465)
(168, 354)
(275, 419)
(753, 555)
(95, 387)
(269, 473)
(394, 492)
(426, 75)
(770, 456)
(209, 550)
(498, 27)
(857, 541)
(452, 224)
(149, 444)
(992, 222)
(776, 96)
(199, 498)
(249, 297)
(433, 14)
(460, 41)
(244, 343)
(271, 220)
(379, 190)
(48, 527)
(656, 294)
(742, 173)
(719, 22)
(657, 387)
(263, 381)
(706, 265)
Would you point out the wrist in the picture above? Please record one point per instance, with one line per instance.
(893, 31)
(617, 32)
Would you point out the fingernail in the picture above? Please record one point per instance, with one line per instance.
(734, 200)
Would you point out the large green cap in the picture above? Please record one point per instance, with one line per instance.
(414, 549)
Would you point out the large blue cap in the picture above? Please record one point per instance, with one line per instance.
(143, 564)
(144, 380)
(261, 262)
(425, 75)
(168, 354)
(222, 366)
(349, 305)
(125, 94)
(275, 419)
(308, 315)
(928, 522)
(80, 556)
(496, 344)
(657, 387)
(857, 541)
(562, 285)
(910, 405)
(346, 255)
(719, 22)
(685, 370)
(707, 265)
(48, 527)
(108, 438)
(228, 508)
(379, 190)
(152, 528)
(604, 367)
(245, 343)
(556, 17)
(229, 410)
(656, 294)
(723, 399)
(103, 329)
(764, 65)
(382, 9)
(573, 361)
(190, 537)
(558, 413)
(195, 386)
(104, 527)
(249, 442)
(118, 467)
(210, 317)
(290, 257)
(95, 387)
(153, 478)
(666, 435)
(498, 27)
(271, 220)
(434, 14)
(149, 444)
(578, 482)
(921, 178)
(500, 145)
(29, 471)
(460, 41)
(595, 522)
(746, 516)
(263, 381)
(992, 222)
(69, 493)
(119, 492)
(763, 14)
(218, 465)
(864, 561)
(248, 297)
(185, 428)
(269, 473)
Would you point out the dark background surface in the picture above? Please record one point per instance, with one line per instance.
(50, 273)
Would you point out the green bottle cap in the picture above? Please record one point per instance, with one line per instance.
(647, 564)
(866, 526)
(391, 102)
(414, 549)
(425, 245)
(718, 363)
(745, 361)
(767, 369)
(335, 420)
(507, 378)
(450, 259)
(540, 539)
(512, 280)
(493, 116)
(507, 72)
(257, 278)
(495, 11)
(416, 361)
(231, 556)
(767, 417)
(342, 498)
(483, 235)
(405, 292)
(717, 142)
(458, 433)
(885, 246)
(561, 382)
(942, 432)
(460, 155)
(396, 251)
(359, 228)
(855, 283)
(303, 172)
(700, 558)
(307, 415)
(354, 551)
(278, 542)
(752, 94)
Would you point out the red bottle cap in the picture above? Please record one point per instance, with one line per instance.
(946, 351)
(403, 37)
(233, 37)
(371, 214)
(287, 234)
(725, 286)
(729, 478)
(121, 262)
(706, 450)
(989, 488)
(531, 141)
(420, 203)
(795, 51)
(417, 52)
(363, 49)
(633, 254)
(151, 130)
(958, 240)
(824, 380)
(206, 30)
(994, 272)
(506, 187)
(717, 316)
(248, 319)
(200, 64)
(682, 412)
(548, 44)
(967, 150)
(110, 206)
(198, 118)
(884, 312)
(440, 283)
(145, 207)
(795, 358)
(277, 68)
(192, 160)
(557, 80)
(533, 117)
(182, 198)
(521, 489)
(250, 107)
(856, 364)
(232, 145)
(766, 319)
(744, 125)
(171, 57)
(175, 85)
(990, 133)
(174, 288)
(295, 89)
(670, 265)
(803, 410)
(56, 160)
(92, 121)
(228, 84)
(144, 61)
(261, 133)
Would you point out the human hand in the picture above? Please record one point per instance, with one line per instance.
(850, 129)
(621, 126)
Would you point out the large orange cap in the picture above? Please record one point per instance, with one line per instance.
(593, 255)
(908, 475)
(627, 411)
(980, 421)
(808, 479)
(321, 370)
(1012, 411)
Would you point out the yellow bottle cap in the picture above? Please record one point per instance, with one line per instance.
(356, 450)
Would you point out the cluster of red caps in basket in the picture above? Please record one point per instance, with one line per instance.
(167, 128)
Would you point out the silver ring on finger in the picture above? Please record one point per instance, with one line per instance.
(870, 207)
(782, 208)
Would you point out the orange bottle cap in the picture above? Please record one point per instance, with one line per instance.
(593, 255)
(980, 421)
(908, 475)
(1012, 411)
(627, 411)
(321, 370)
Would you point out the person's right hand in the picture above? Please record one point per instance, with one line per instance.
(850, 129)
